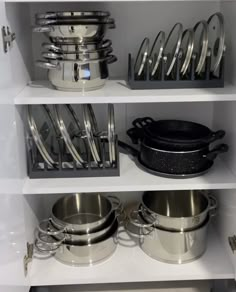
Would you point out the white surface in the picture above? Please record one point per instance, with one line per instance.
(132, 179)
(118, 92)
(133, 265)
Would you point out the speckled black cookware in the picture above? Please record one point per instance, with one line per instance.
(174, 135)
(175, 162)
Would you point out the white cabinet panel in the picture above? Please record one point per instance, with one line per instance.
(12, 227)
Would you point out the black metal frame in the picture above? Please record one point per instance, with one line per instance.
(206, 80)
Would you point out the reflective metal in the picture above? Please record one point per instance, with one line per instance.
(177, 210)
(142, 57)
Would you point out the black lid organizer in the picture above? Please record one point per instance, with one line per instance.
(66, 167)
(176, 81)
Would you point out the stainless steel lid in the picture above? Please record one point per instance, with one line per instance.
(142, 57)
(111, 134)
(156, 52)
(187, 45)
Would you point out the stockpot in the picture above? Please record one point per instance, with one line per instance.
(169, 246)
(76, 34)
(83, 213)
(82, 254)
(177, 210)
(78, 75)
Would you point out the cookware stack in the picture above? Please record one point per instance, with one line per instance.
(184, 58)
(172, 225)
(77, 56)
(82, 229)
(66, 141)
(174, 148)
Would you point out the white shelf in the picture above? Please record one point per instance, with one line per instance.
(118, 92)
(132, 178)
(113, 0)
(131, 264)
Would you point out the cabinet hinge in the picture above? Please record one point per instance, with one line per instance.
(232, 243)
(28, 257)
(8, 37)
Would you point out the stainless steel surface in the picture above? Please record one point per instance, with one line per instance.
(187, 45)
(76, 255)
(76, 48)
(76, 34)
(111, 134)
(91, 130)
(74, 150)
(83, 213)
(172, 46)
(177, 210)
(41, 144)
(142, 57)
(74, 21)
(200, 44)
(83, 56)
(77, 75)
(156, 52)
(72, 14)
(216, 39)
(175, 247)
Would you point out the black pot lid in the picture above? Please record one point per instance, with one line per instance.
(177, 131)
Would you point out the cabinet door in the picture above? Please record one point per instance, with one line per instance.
(12, 226)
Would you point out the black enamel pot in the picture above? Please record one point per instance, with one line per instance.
(175, 162)
(174, 135)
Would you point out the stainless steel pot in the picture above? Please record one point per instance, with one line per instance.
(81, 239)
(83, 213)
(174, 247)
(75, 34)
(75, 56)
(177, 210)
(77, 75)
(77, 255)
(72, 14)
(74, 21)
(75, 48)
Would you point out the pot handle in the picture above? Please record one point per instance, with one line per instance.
(42, 29)
(128, 149)
(106, 44)
(135, 134)
(213, 206)
(118, 207)
(134, 220)
(142, 122)
(111, 59)
(46, 227)
(216, 136)
(45, 240)
(47, 65)
(221, 148)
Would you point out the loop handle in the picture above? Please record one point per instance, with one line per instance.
(47, 227)
(213, 206)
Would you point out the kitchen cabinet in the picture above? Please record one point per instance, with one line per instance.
(23, 201)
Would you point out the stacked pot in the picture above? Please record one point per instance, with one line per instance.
(172, 225)
(82, 229)
(77, 55)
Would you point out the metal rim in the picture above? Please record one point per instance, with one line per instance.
(52, 14)
(221, 47)
(189, 34)
(37, 137)
(68, 141)
(204, 46)
(144, 47)
(74, 21)
(160, 38)
(91, 128)
(88, 61)
(177, 45)
(111, 134)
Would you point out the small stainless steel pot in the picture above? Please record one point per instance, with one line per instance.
(75, 48)
(83, 213)
(76, 56)
(177, 210)
(77, 75)
(75, 34)
(80, 254)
